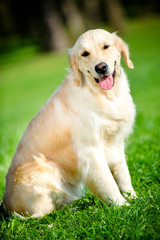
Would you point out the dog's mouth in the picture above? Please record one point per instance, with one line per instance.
(106, 82)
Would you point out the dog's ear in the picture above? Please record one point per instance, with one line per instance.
(123, 49)
(74, 66)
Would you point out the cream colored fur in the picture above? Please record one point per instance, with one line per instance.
(77, 137)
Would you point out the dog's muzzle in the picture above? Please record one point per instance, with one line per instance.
(107, 81)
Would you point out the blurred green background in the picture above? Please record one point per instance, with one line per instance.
(54, 25)
(34, 37)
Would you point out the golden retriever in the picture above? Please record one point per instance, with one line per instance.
(78, 137)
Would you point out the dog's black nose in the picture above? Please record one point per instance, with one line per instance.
(101, 68)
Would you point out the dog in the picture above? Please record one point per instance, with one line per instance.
(78, 137)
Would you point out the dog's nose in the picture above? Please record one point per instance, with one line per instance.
(101, 68)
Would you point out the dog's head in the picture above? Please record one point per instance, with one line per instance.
(96, 55)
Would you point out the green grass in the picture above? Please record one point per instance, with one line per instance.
(24, 88)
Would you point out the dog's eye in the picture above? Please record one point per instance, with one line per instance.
(105, 47)
(85, 54)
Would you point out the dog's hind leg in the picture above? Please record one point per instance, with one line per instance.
(35, 189)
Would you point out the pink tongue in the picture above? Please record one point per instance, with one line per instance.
(106, 83)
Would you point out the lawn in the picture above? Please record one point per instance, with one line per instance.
(25, 85)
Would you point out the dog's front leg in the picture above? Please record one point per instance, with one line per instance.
(97, 176)
(123, 179)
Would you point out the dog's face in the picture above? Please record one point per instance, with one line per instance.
(96, 55)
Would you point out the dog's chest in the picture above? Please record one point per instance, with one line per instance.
(107, 123)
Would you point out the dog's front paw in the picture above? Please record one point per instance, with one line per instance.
(121, 202)
(130, 194)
